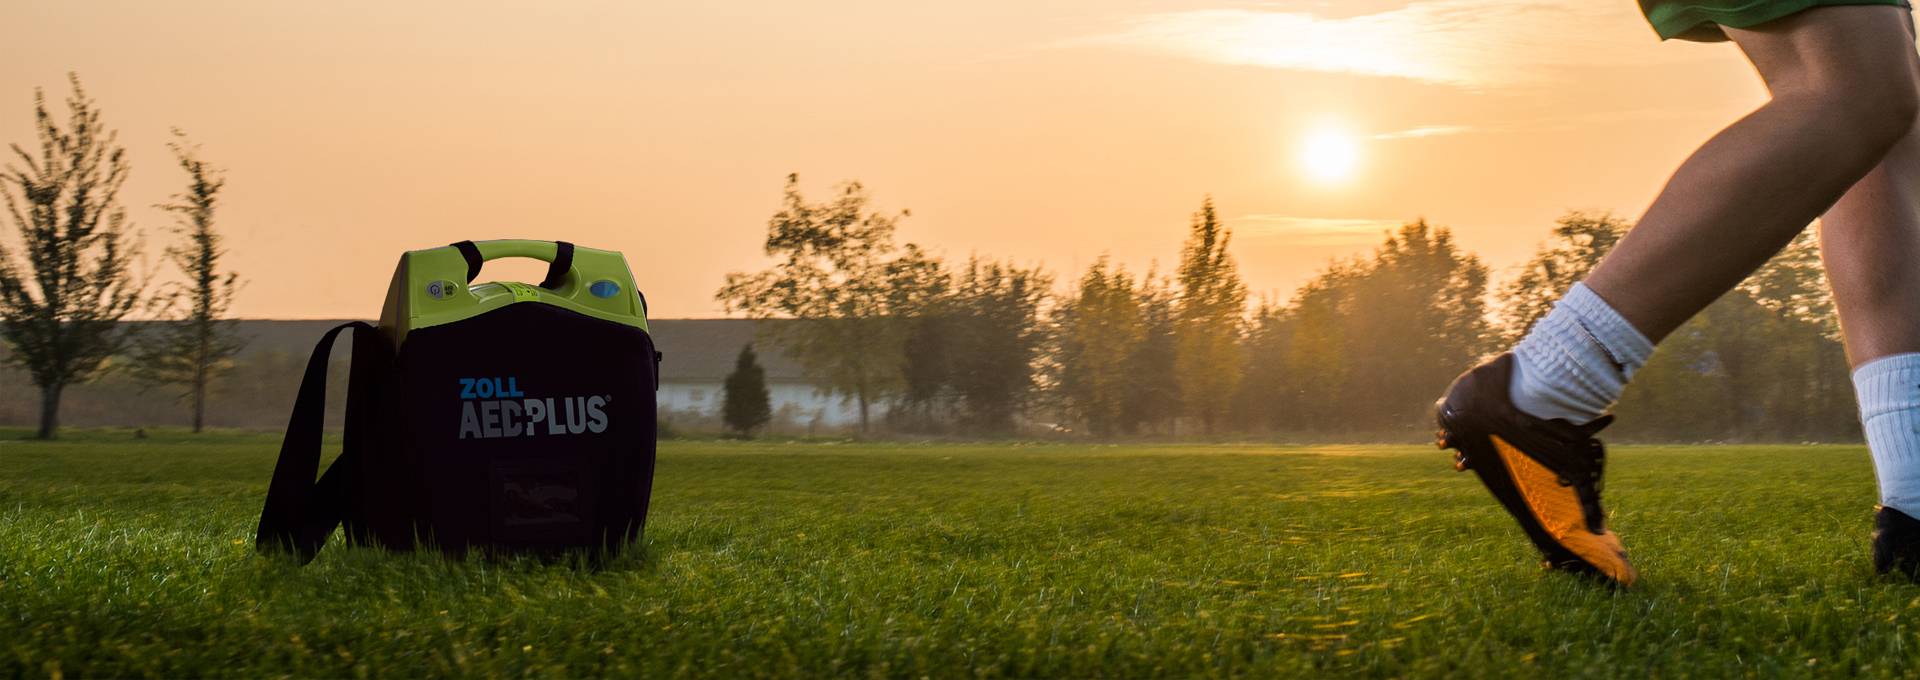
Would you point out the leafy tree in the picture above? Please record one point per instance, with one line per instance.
(927, 394)
(1152, 400)
(746, 406)
(849, 290)
(1793, 285)
(1421, 318)
(1317, 359)
(1762, 362)
(194, 341)
(996, 312)
(60, 310)
(1208, 320)
(1579, 241)
(1098, 332)
(1811, 379)
(1373, 340)
(1263, 394)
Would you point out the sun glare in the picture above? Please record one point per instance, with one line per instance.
(1329, 155)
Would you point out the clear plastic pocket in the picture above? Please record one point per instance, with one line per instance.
(540, 502)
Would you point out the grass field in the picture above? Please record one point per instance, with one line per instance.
(134, 558)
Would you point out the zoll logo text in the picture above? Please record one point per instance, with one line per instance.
(496, 407)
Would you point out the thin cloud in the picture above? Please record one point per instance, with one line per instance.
(1312, 231)
(1584, 121)
(1467, 43)
(1588, 120)
(1425, 131)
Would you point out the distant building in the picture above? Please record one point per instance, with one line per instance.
(699, 355)
(259, 393)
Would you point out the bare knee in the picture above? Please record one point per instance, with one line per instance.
(1878, 113)
(1855, 66)
(1896, 107)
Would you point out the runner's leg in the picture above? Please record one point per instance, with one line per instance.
(1843, 94)
(1870, 242)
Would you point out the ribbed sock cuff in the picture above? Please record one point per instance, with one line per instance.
(1888, 384)
(1614, 334)
(1888, 389)
(1575, 361)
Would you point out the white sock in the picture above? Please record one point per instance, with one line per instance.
(1889, 393)
(1577, 359)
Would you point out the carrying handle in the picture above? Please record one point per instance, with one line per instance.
(557, 254)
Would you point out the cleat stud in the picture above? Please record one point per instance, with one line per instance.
(1459, 462)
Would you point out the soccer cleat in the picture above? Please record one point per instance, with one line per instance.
(1546, 473)
(1896, 542)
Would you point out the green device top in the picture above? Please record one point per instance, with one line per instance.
(435, 286)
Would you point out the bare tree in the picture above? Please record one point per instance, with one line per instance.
(194, 341)
(60, 310)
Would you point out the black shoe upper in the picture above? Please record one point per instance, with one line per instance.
(1896, 542)
(1479, 403)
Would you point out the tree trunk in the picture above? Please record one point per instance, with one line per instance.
(203, 343)
(863, 412)
(199, 397)
(49, 411)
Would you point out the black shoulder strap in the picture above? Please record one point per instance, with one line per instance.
(300, 513)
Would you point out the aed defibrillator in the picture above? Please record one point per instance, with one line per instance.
(500, 417)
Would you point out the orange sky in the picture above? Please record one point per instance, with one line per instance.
(1047, 132)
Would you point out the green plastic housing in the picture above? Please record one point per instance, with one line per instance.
(430, 287)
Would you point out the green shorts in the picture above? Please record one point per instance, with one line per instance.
(1700, 20)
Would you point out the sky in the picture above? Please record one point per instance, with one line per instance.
(1049, 133)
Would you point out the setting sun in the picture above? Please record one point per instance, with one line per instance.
(1329, 155)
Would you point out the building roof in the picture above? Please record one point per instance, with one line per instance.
(695, 350)
(705, 349)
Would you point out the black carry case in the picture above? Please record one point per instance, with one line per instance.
(499, 418)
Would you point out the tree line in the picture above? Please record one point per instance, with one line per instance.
(71, 276)
(991, 347)
(978, 347)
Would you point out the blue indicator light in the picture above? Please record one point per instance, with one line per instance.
(604, 289)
